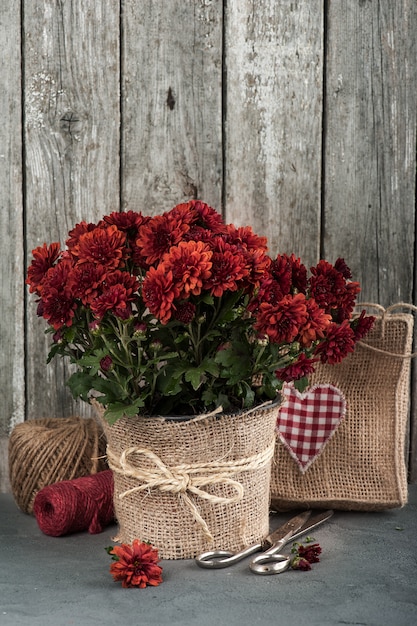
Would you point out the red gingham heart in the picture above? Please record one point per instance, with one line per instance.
(306, 421)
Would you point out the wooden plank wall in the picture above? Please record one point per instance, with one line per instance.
(296, 117)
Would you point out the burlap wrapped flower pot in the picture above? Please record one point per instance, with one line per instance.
(362, 465)
(189, 486)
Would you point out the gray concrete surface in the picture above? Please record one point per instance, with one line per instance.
(367, 576)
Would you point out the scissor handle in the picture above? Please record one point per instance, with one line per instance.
(217, 559)
(267, 564)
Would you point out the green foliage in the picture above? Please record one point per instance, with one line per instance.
(182, 368)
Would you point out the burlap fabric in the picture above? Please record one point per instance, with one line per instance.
(196, 485)
(363, 465)
(48, 450)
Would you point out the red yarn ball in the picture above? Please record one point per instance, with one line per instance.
(71, 506)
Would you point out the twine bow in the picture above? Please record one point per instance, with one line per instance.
(185, 479)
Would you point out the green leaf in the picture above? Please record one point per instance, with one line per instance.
(56, 349)
(92, 362)
(109, 549)
(225, 357)
(208, 299)
(301, 384)
(110, 388)
(168, 384)
(195, 376)
(248, 395)
(80, 384)
(210, 397)
(70, 334)
(210, 366)
(117, 410)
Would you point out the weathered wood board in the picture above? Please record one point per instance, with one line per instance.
(370, 145)
(171, 104)
(11, 232)
(273, 121)
(72, 137)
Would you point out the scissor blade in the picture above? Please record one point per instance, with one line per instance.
(313, 522)
(286, 530)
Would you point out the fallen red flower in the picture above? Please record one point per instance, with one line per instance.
(305, 555)
(136, 565)
(299, 562)
(310, 552)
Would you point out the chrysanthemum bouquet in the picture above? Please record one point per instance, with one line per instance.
(181, 313)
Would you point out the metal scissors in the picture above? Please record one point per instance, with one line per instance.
(270, 561)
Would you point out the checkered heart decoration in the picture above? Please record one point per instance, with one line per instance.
(306, 421)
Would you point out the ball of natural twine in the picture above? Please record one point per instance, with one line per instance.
(48, 450)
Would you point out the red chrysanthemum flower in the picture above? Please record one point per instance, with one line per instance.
(246, 238)
(346, 302)
(316, 323)
(327, 286)
(258, 264)
(159, 292)
(190, 264)
(85, 279)
(158, 235)
(198, 233)
(207, 217)
(200, 216)
(136, 565)
(281, 272)
(299, 273)
(129, 282)
(58, 277)
(74, 235)
(44, 257)
(282, 322)
(362, 325)
(290, 273)
(183, 212)
(268, 291)
(118, 291)
(184, 312)
(305, 556)
(302, 368)
(228, 268)
(104, 246)
(310, 552)
(138, 258)
(58, 303)
(341, 267)
(113, 299)
(299, 562)
(339, 342)
(58, 308)
(128, 222)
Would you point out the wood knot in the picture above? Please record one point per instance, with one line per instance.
(71, 124)
(170, 99)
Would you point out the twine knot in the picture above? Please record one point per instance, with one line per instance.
(186, 479)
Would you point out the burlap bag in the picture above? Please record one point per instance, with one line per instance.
(363, 466)
(196, 485)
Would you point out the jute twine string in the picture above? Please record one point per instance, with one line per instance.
(69, 506)
(384, 314)
(48, 450)
(185, 479)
